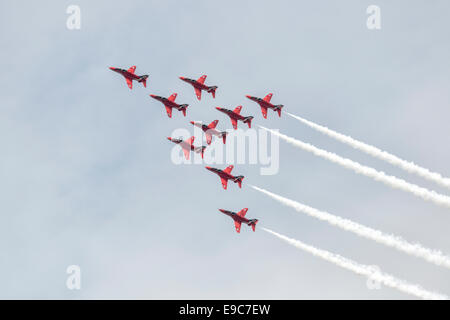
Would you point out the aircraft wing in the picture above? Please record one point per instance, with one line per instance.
(129, 83)
(242, 212)
(202, 79)
(228, 169)
(264, 112)
(224, 183)
(132, 69)
(169, 111)
(213, 124)
(198, 93)
(172, 97)
(208, 138)
(268, 97)
(186, 153)
(237, 225)
(234, 123)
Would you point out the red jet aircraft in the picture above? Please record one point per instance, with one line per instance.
(239, 218)
(188, 146)
(199, 85)
(129, 76)
(211, 130)
(235, 116)
(265, 104)
(170, 103)
(226, 175)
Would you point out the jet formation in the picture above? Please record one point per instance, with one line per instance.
(210, 130)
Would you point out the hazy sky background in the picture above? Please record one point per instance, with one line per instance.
(85, 170)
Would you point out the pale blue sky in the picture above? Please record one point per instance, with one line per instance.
(86, 176)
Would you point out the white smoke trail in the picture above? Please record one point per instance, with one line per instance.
(361, 269)
(391, 181)
(380, 154)
(433, 256)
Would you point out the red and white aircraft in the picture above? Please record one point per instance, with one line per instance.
(199, 85)
(235, 115)
(210, 130)
(226, 175)
(265, 104)
(170, 103)
(129, 76)
(239, 218)
(188, 146)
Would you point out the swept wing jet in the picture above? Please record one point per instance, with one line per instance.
(239, 218)
(226, 175)
(199, 86)
(266, 104)
(235, 115)
(129, 76)
(170, 103)
(188, 146)
(210, 130)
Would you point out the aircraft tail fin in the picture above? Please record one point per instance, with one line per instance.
(212, 90)
(183, 108)
(203, 151)
(143, 80)
(253, 223)
(248, 120)
(279, 107)
(200, 150)
(239, 180)
(224, 136)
